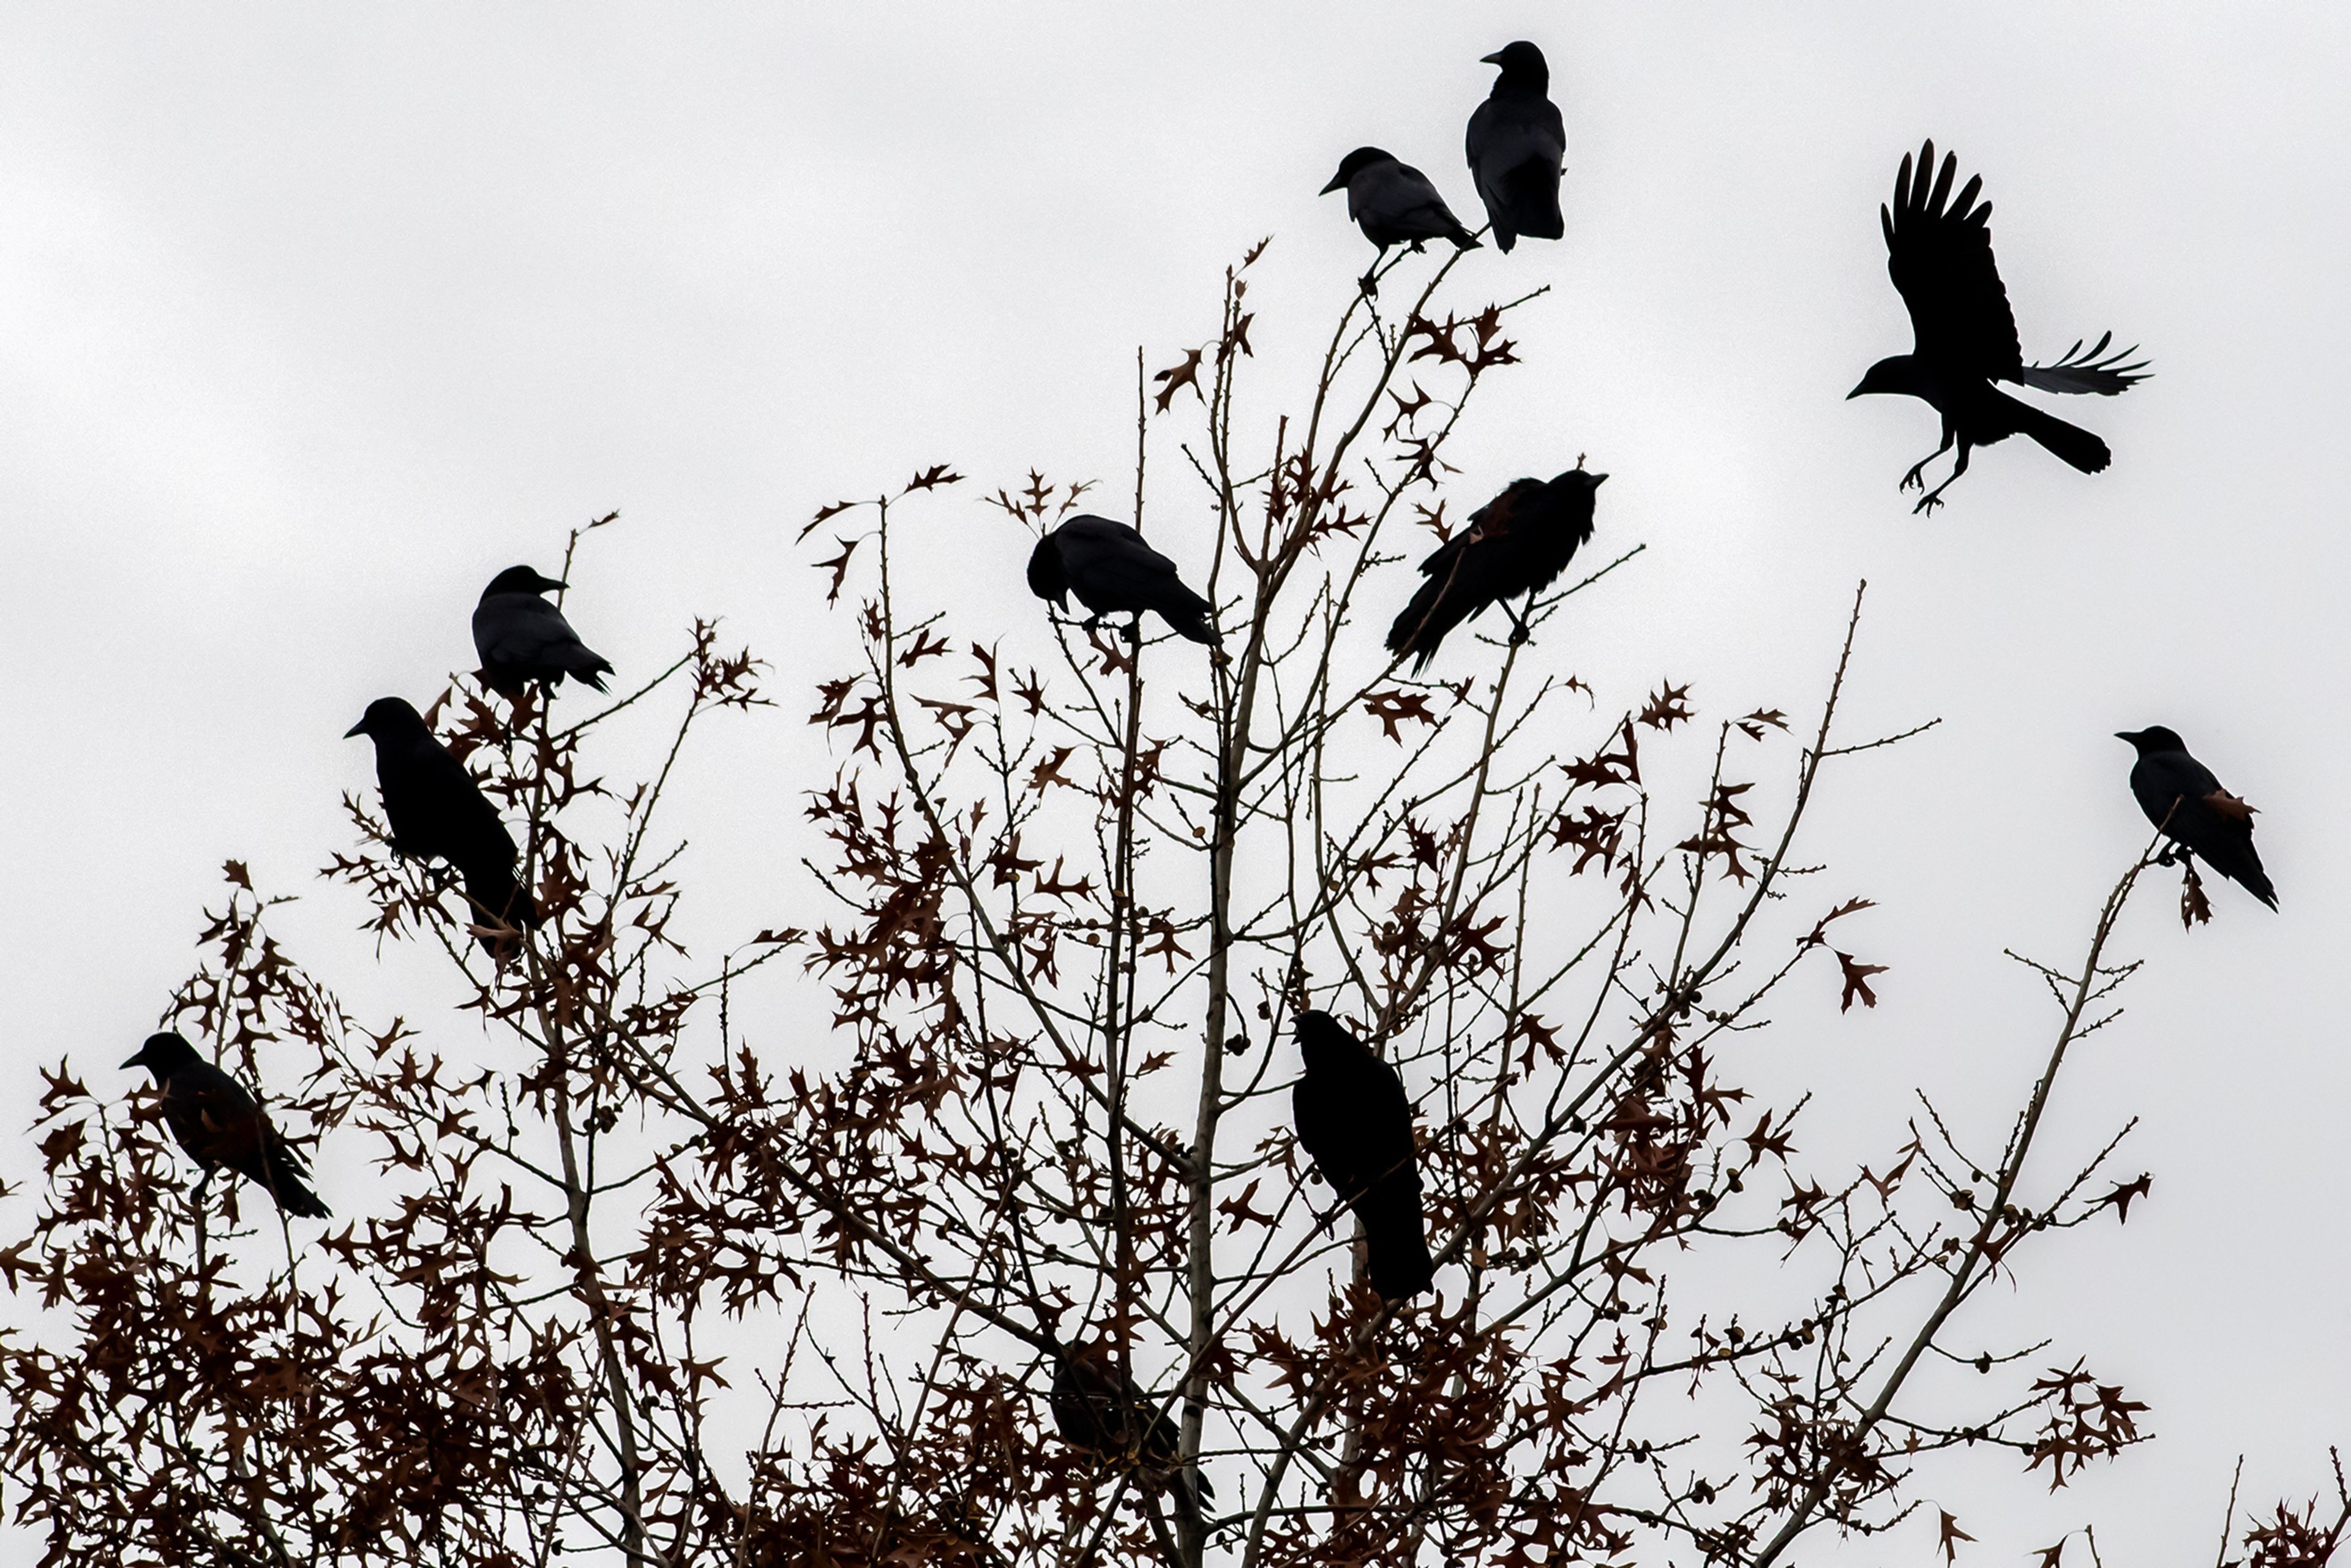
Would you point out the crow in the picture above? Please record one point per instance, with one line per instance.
(522, 638)
(1098, 1411)
(212, 1118)
(1113, 572)
(1938, 250)
(435, 808)
(1393, 204)
(2181, 798)
(1354, 1122)
(1519, 542)
(1517, 146)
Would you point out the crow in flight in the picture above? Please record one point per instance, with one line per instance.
(522, 638)
(214, 1119)
(1098, 1411)
(1519, 542)
(1113, 572)
(2180, 797)
(1393, 204)
(1939, 250)
(1518, 145)
(1354, 1121)
(434, 808)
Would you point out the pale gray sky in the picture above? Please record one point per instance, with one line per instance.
(311, 318)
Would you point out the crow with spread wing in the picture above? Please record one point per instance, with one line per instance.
(2183, 798)
(1938, 250)
(1519, 542)
(1113, 572)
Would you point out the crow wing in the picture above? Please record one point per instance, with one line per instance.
(1517, 145)
(1112, 572)
(1938, 251)
(1395, 201)
(2183, 798)
(2093, 371)
(524, 632)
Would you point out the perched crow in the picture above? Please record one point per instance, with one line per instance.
(1395, 204)
(522, 638)
(1101, 1413)
(217, 1122)
(1518, 145)
(1938, 250)
(2180, 796)
(434, 808)
(1113, 572)
(1519, 542)
(1354, 1121)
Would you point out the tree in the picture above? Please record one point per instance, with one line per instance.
(1021, 1263)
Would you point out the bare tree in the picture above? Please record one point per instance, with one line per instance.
(1022, 1264)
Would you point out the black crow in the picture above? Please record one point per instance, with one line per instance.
(1113, 572)
(522, 638)
(214, 1119)
(1938, 250)
(1099, 1412)
(1519, 542)
(2180, 796)
(1518, 145)
(1355, 1124)
(1393, 204)
(434, 808)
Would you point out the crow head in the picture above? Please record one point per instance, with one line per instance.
(1897, 375)
(163, 1054)
(2153, 738)
(1522, 66)
(1353, 164)
(386, 717)
(521, 580)
(1047, 579)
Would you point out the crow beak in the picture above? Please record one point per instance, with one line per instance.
(1598, 480)
(137, 1060)
(359, 729)
(1338, 183)
(1493, 59)
(1856, 392)
(2130, 734)
(550, 585)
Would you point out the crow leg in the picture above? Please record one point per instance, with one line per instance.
(1934, 498)
(1916, 478)
(1135, 631)
(1518, 632)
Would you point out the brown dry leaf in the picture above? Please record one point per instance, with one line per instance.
(1177, 378)
(2228, 805)
(1952, 1535)
(1856, 981)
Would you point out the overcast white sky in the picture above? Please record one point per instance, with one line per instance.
(312, 317)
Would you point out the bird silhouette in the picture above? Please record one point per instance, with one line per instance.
(522, 638)
(1098, 1410)
(2181, 797)
(1938, 250)
(1393, 204)
(1113, 572)
(436, 811)
(1519, 542)
(218, 1124)
(1354, 1122)
(1517, 146)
